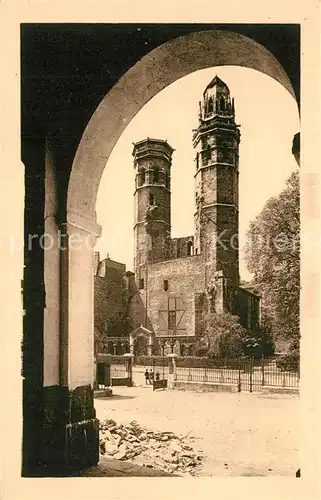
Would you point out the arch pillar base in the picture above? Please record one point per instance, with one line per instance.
(70, 432)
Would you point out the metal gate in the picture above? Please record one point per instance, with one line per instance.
(103, 374)
(160, 370)
(250, 376)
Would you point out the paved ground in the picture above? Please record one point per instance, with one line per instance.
(241, 434)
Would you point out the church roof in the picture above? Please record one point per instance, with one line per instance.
(216, 82)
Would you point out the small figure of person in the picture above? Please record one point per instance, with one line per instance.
(151, 376)
(147, 381)
(157, 376)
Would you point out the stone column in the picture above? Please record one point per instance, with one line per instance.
(149, 346)
(129, 362)
(131, 344)
(171, 370)
(79, 428)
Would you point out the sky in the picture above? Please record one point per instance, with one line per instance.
(268, 116)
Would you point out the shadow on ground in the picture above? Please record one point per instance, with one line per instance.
(109, 467)
(114, 397)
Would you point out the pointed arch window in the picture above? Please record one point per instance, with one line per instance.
(142, 177)
(209, 152)
(210, 105)
(222, 104)
(156, 175)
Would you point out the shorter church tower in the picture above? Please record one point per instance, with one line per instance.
(152, 162)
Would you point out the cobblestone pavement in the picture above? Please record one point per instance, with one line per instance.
(241, 434)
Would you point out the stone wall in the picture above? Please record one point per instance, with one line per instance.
(111, 295)
(185, 278)
(182, 247)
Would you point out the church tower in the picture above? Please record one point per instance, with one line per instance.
(152, 229)
(216, 143)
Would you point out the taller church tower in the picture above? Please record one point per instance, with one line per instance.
(216, 142)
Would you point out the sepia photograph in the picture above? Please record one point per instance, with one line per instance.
(161, 285)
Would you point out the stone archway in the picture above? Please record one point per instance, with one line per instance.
(141, 341)
(158, 69)
(154, 72)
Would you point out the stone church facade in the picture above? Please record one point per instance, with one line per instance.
(178, 280)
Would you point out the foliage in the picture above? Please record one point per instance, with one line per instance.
(222, 334)
(180, 361)
(111, 359)
(272, 254)
(150, 360)
(261, 343)
(289, 362)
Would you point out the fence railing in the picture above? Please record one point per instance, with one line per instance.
(245, 373)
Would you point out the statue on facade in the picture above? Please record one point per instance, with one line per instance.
(211, 295)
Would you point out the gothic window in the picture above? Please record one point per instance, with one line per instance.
(151, 199)
(197, 160)
(210, 105)
(142, 177)
(222, 104)
(171, 320)
(156, 175)
(208, 152)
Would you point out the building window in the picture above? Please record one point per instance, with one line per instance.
(222, 103)
(209, 152)
(165, 285)
(151, 199)
(142, 177)
(156, 175)
(141, 283)
(172, 320)
(189, 248)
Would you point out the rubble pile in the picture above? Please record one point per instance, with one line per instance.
(160, 450)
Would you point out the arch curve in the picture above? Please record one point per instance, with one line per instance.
(158, 69)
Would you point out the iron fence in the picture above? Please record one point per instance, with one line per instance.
(219, 375)
(246, 374)
(274, 376)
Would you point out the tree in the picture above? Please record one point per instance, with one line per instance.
(261, 342)
(222, 335)
(272, 254)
